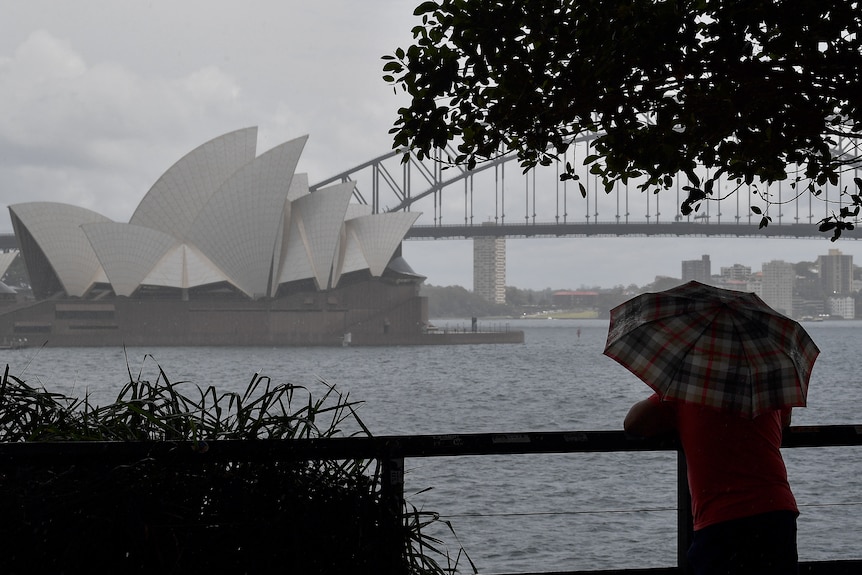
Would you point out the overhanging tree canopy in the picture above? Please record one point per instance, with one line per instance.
(749, 92)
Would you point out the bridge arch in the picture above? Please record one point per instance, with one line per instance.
(457, 200)
(434, 175)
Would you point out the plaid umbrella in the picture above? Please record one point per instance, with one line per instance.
(714, 347)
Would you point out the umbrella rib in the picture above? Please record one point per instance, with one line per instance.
(742, 336)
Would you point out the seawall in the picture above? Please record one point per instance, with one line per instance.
(438, 338)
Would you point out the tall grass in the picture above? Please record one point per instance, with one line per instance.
(240, 516)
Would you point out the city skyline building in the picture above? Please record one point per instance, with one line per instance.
(776, 286)
(736, 272)
(697, 270)
(836, 273)
(489, 267)
(841, 306)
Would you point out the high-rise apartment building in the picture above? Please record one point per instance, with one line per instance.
(836, 273)
(776, 288)
(489, 267)
(736, 272)
(697, 270)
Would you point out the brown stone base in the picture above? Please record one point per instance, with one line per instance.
(373, 312)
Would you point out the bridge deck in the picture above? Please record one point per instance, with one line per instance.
(528, 230)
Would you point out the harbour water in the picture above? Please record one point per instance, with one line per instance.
(517, 513)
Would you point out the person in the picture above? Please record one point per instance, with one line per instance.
(743, 509)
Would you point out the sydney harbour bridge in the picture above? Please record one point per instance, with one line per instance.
(497, 198)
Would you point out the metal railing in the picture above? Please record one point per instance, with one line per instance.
(391, 451)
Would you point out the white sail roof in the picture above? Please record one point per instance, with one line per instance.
(370, 241)
(56, 229)
(219, 214)
(178, 196)
(127, 252)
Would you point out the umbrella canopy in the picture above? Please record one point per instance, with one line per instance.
(714, 347)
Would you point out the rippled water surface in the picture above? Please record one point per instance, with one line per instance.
(519, 513)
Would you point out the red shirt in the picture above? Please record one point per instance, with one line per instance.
(735, 468)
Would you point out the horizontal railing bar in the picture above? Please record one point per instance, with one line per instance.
(838, 567)
(823, 436)
(647, 571)
(381, 447)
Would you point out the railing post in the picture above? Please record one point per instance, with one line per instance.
(684, 521)
(392, 492)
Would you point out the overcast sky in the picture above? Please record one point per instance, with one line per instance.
(98, 98)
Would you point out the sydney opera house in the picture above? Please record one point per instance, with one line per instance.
(228, 247)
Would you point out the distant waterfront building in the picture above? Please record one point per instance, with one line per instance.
(489, 267)
(808, 307)
(836, 273)
(776, 289)
(736, 272)
(697, 270)
(842, 306)
(755, 283)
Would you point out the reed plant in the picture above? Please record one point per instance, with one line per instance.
(150, 515)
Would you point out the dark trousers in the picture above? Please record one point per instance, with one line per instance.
(758, 545)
